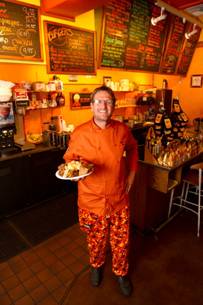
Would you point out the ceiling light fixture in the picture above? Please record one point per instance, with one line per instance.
(154, 20)
(194, 31)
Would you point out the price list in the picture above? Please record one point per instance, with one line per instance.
(174, 45)
(129, 40)
(19, 31)
(69, 49)
(187, 52)
(116, 22)
(145, 41)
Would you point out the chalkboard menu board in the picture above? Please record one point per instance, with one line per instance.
(19, 31)
(69, 49)
(129, 40)
(145, 41)
(174, 45)
(187, 52)
(116, 23)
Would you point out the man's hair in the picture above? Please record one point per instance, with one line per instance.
(103, 88)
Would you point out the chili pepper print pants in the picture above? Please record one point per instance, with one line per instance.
(98, 229)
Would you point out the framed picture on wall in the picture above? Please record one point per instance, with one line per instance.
(107, 81)
(196, 81)
(79, 100)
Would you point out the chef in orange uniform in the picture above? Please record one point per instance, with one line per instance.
(103, 196)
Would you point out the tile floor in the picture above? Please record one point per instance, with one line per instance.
(166, 268)
(43, 274)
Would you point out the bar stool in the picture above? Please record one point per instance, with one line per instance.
(192, 184)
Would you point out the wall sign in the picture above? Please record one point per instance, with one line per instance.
(174, 45)
(196, 81)
(188, 51)
(129, 41)
(69, 50)
(79, 100)
(19, 31)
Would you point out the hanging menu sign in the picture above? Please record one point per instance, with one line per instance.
(115, 35)
(129, 40)
(69, 49)
(145, 41)
(174, 45)
(19, 31)
(187, 51)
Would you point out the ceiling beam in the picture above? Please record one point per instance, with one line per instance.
(180, 13)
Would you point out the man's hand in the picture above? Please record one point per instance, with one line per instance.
(130, 180)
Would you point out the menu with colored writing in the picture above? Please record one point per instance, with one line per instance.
(69, 49)
(145, 41)
(174, 45)
(115, 35)
(130, 41)
(187, 51)
(19, 31)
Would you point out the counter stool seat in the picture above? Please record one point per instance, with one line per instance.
(192, 184)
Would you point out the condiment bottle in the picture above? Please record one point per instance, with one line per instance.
(60, 99)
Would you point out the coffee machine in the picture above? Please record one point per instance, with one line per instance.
(7, 127)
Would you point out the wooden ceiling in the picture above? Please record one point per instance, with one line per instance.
(183, 4)
(69, 9)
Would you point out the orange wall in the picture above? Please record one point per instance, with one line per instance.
(190, 98)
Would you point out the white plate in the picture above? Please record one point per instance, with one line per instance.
(72, 178)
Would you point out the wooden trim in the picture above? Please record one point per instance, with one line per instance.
(180, 13)
(199, 44)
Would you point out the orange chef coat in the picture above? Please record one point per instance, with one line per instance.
(104, 190)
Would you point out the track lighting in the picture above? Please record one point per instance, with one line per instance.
(154, 21)
(194, 31)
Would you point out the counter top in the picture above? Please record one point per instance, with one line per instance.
(171, 168)
(39, 148)
(159, 177)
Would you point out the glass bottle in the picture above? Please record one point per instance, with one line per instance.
(60, 99)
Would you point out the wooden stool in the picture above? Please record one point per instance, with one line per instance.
(192, 184)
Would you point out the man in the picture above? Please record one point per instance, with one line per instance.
(103, 196)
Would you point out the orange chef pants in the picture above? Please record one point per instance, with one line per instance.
(99, 229)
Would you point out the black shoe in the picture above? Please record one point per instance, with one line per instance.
(125, 285)
(95, 276)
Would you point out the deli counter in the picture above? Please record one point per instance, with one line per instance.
(150, 193)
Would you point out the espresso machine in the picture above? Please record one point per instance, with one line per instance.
(7, 127)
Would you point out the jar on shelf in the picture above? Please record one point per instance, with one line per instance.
(45, 133)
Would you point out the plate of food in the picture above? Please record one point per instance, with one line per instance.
(74, 170)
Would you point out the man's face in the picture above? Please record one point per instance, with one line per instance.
(102, 107)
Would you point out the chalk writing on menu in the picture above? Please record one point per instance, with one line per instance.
(129, 39)
(19, 31)
(69, 49)
(145, 41)
(187, 52)
(116, 32)
(174, 45)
